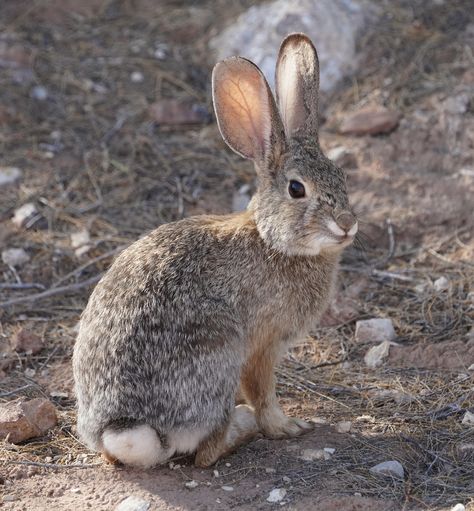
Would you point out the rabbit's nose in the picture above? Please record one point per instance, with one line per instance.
(348, 222)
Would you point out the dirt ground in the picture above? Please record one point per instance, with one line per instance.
(75, 118)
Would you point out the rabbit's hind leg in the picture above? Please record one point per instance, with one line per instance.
(241, 428)
(137, 446)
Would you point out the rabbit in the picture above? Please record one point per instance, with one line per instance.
(197, 313)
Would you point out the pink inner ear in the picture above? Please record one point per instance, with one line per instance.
(242, 107)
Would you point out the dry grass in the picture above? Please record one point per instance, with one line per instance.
(118, 175)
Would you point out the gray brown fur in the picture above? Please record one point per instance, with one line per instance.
(188, 314)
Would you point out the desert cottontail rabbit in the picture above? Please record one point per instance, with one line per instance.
(200, 311)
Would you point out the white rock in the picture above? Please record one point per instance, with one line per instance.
(389, 468)
(286, 479)
(471, 367)
(458, 507)
(314, 454)
(276, 495)
(216, 473)
(343, 426)
(24, 213)
(329, 450)
(374, 357)
(227, 488)
(40, 93)
(137, 77)
(333, 26)
(133, 503)
(466, 172)
(468, 418)
(80, 241)
(9, 498)
(191, 484)
(15, 256)
(374, 330)
(441, 284)
(240, 201)
(9, 175)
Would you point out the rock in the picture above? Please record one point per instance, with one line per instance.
(276, 495)
(39, 93)
(133, 503)
(329, 450)
(333, 26)
(342, 157)
(240, 199)
(458, 507)
(393, 395)
(26, 341)
(227, 488)
(9, 175)
(369, 121)
(441, 284)
(191, 484)
(465, 172)
(137, 77)
(9, 498)
(15, 256)
(314, 454)
(374, 357)
(80, 241)
(343, 426)
(175, 112)
(389, 468)
(374, 330)
(21, 420)
(468, 418)
(24, 214)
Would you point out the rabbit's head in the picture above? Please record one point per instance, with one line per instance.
(301, 205)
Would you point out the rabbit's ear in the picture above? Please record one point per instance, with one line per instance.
(297, 86)
(246, 112)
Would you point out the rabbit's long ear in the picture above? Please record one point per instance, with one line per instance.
(297, 86)
(246, 112)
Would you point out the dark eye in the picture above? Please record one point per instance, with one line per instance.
(296, 189)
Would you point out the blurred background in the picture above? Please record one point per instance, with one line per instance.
(107, 131)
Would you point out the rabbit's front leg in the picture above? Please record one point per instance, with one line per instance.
(258, 384)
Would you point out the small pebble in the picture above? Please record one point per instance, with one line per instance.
(191, 484)
(133, 503)
(216, 473)
(270, 470)
(375, 330)
(441, 284)
(40, 93)
(137, 77)
(468, 418)
(329, 450)
(9, 175)
(23, 214)
(343, 426)
(458, 507)
(227, 488)
(276, 495)
(375, 355)
(389, 468)
(15, 256)
(286, 479)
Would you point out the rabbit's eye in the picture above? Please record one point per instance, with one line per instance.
(296, 189)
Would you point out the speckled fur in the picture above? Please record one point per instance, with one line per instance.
(200, 307)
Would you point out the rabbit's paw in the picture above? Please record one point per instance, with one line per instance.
(277, 425)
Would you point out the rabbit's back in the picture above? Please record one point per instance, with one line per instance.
(160, 340)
